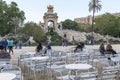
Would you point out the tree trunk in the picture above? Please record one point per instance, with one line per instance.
(93, 27)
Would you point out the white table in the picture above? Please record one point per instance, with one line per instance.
(116, 59)
(40, 58)
(37, 58)
(31, 53)
(78, 66)
(69, 54)
(7, 76)
(28, 53)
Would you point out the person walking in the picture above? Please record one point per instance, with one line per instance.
(64, 40)
(20, 44)
(10, 46)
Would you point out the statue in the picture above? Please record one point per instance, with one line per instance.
(49, 39)
(31, 39)
(50, 8)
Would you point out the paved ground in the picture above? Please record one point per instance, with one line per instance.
(32, 48)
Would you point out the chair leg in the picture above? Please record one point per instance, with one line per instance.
(35, 75)
(29, 73)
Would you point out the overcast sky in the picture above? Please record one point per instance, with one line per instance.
(66, 9)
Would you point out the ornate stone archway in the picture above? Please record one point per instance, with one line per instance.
(51, 16)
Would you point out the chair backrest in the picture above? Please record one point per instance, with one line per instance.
(109, 75)
(54, 57)
(83, 58)
(60, 72)
(89, 76)
(38, 65)
(71, 59)
(104, 62)
(23, 56)
(5, 63)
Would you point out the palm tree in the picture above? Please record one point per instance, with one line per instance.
(94, 6)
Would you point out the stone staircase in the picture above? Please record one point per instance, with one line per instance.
(71, 34)
(81, 36)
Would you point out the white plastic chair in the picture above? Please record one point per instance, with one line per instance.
(36, 66)
(15, 70)
(109, 75)
(61, 73)
(22, 57)
(5, 63)
(89, 76)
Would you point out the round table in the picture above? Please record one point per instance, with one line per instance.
(78, 66)
(37, 58)
(40, 58)
(31, 53)
(7, 76)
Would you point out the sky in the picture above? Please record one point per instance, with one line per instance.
(65, 9)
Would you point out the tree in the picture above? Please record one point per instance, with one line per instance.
(69, 24)
(9, 13)
(94, 6)
(84, 27)
(118, 27)
(33, 29)
(108, 24)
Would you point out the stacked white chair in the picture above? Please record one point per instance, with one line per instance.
(109, 75)
(15, 70)
(38, 66)
(5, 63)
(61, 73)
(22, 57)
(89, 76)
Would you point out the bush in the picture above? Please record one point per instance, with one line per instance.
(55, 38)
(114, 41)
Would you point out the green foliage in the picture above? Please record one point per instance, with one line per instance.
(100, 41)
(84, 27)
(114, 41)
(9, 15)
(117, 26)
(108, 24)
(94, 5)
(89, 37)
(22, 37)
(32, 29)
(69, 24)
(55, 38)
